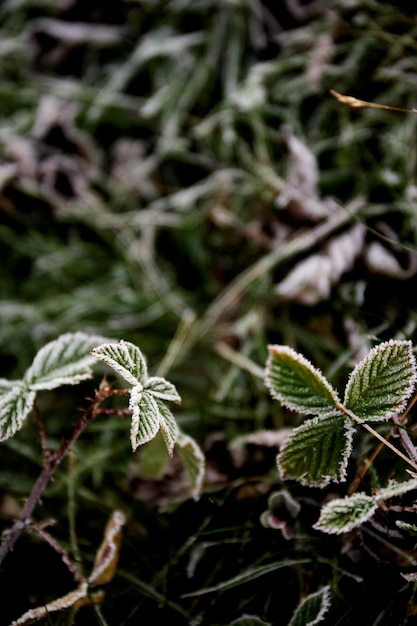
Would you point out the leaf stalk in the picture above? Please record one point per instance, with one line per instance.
(376, 434)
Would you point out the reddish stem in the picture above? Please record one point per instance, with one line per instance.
(42, 434)
(51, 462)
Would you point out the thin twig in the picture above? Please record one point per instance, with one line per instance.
(381, 446)
(50, 465)
(42, 434)
(376, 434)
(39, 530)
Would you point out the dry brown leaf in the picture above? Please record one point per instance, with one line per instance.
(380, 261)
(299, 192)
(360, 104)
(312, 279)
(238, 448)
(103, 571)
(303, 172)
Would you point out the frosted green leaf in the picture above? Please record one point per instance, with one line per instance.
(411, 529)
(342, 514)
(162, 388)
(168, 425)
(396, 489)
(145, 417)
(8, 385)
(293, 380)
(193, 460)
(312, 608)
(380, 385)
(15, 405)
(126, 359)
(317, 452)
(149, 415)
(64, 361)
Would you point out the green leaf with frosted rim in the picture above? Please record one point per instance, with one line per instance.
(312, 608)
(126, 359)
(168, 425)
(317, 452)
(149, 413)
(161, 388)
(342, 514)
(64, 361)
(193, 460)
(293, 380)
(380, 385)
(396, 489)
(149, 416)
(15, 405)
(7, 385)
(145, 417)
(411, 529)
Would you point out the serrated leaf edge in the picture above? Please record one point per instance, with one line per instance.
(126, 346)
(167, 425)
(136, 402)
(395, 489)
(19, 417)
(162, 419)
(33, 380)
(372, 355)
(386, 493)
(275, 349)
(349, 432)
(338, 502)
(183, 441)
(171, 394)
(325, 592)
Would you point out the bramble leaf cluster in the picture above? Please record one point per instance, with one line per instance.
(317, 452)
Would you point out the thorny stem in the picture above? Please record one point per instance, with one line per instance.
(39, 529)
(42, 433)
(51, 462)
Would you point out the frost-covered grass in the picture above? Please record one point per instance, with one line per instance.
(177, 174)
